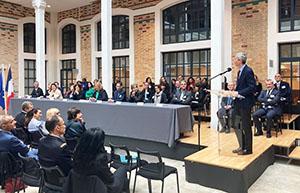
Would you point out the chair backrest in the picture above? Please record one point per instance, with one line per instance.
(35, 137)
(72, 143)
(32, 174)
(53, 178)
(77, 183)
(9, 166)
(150, 161)
(120, 154)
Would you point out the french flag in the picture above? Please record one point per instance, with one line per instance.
(9, 88)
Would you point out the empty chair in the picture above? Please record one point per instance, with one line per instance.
(153, 169)
(76, 183)
(120, 156)
(53, 179)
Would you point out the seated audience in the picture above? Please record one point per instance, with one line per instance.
(51, 112)
(190, 84)
(68, 92)
(134, 94)
(52, 149)
(167, 89)
(258, 87)
(146, 94)
(89, 93)
(119, 93)
(180, 78)
(37, 91)
(226, 110)
(270, 108)
(176, 91)
(90, 158)
(173, 87)
(34, 123)
(184, 97)
(48, 90)
(10, 143)
(159, 96)
(99, 93)
(198, 96)
(75, 126)
(285, 90)
(77, 94)
(55, 93)
(151, 85)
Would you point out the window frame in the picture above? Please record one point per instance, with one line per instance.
(291, 19)
(68, 39)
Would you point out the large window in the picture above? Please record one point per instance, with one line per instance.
(29, 75)
(194, 63)
(289, 15)
(69, 39)
(289, 66)
(188, 21)
(121, 71)
(29, 37)
(67, 75)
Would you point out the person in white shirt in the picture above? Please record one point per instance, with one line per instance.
(55, 93)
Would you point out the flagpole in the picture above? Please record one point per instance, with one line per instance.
(3, 83)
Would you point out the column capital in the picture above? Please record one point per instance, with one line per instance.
(39, 4)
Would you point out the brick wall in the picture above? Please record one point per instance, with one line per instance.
(89, 11)
(85, 48)
(144, 47)
(249, 33)
(9, 49)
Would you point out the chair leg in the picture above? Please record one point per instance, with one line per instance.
(129, 175)
(178, 191)
(134, 183)
(149, 186)
(162, 186)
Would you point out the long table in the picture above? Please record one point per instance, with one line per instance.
(162, 123)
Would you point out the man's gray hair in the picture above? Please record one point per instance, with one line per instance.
(26, 104)
(241, 56)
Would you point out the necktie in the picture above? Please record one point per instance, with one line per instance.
(238, 75)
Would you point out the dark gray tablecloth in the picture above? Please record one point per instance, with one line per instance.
(147, 122)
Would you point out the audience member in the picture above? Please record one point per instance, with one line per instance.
(99, 93)
(10, 143)
(34, 123)
(190, 84)
(52, 149)
(68, 93)
(177, 88)
(258, 88)
(134, 94)
(159, 96)
(167, 89)
(37, 91)
(48, 90)
(180, 78)
(90, 158)
(173, 87)
(146, 94)
(151, 84)
(198, 96)
(119, 94)
(77, 94)
(270, 108)
(226, 110)
(20, 117)
(55, 93)
(117, 80)
(184, 97)
(284, 90)
(51, 112)
(75, 126)
(89, 93)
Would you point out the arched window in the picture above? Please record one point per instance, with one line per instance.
(120, 32)
(187, 21)
(29, 37)
(69, 39)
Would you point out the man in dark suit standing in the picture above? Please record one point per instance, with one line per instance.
(242, 112)
(269, 100)
(37, 91)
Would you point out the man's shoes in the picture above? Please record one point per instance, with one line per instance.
(258, 133)
(245, 152)
(269, 135)
(237, 150)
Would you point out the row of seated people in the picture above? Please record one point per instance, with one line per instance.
(272, 102)
(181, 92)
(89, 158)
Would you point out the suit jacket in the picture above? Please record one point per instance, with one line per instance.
(284, 91)
(246, 86)
(20, 119)
(270, 101)
(10, 143)
(226, 102)
(143, 98)
(37, 93)
(100, 95)
(119, 96)
(74, 129)
(133, 98)
(53, 151)
(185, 100)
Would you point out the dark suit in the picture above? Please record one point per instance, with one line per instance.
(53, 151)
(37, 93)
(285, 92)
(133, 98)
(20, 131)
(10, 143)
(20, 119)
(246, 86)
(222, 112)
(145, 96)
(182, 97)
(269, 108)
(100, 95)
(74, 129)
(119, 96)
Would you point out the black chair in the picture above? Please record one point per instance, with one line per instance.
(53, 179)
(72, 143)
(116, 154)
(35, 138)
(76, 183)
(10, 167)
(21, 134)
(153, 170)
(32, 175)
(277, 122)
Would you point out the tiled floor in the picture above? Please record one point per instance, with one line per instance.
(278, 178)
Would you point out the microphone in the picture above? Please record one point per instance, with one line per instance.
(229, 69)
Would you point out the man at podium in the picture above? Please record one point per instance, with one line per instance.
(245, 87)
